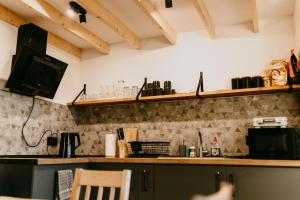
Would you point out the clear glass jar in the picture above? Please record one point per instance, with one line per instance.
(192, 151)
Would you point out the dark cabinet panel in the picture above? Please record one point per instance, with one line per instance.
(16, 180)
(43, 179)
(264, 183)
(178, 182)
(141, 187)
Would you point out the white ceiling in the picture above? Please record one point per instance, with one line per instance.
(183, 17)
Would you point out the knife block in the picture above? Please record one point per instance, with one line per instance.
(130, 135)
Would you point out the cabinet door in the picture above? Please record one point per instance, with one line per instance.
(141, 187)
(264, 183)
(145, 182)
(181, 182)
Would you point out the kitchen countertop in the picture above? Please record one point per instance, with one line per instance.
(160, 160)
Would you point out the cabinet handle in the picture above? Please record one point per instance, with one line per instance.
(145, 180)
(231, 179)
(218, 179)
(132, 185)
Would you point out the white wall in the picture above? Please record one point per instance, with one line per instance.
(70, 84)
(297, 25)
(236, 51)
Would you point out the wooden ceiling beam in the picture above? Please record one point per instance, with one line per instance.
(206, 18)
(150, 9)
(254, 16)
(16, 20)
(98, 10)
(49, 12)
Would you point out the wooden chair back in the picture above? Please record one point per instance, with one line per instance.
(101, 179)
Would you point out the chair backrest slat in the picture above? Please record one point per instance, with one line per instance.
(112, 193)
(87, 192)
(101, 179)
(100, 193)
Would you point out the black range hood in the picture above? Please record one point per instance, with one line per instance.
(33, 72)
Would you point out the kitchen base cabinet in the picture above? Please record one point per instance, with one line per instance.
(265, 183)
(31, 181)
(141, 186)
(181, 182)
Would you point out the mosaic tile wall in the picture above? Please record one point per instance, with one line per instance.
(227, 119)
(14, 110)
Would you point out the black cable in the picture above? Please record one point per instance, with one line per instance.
(23, 136)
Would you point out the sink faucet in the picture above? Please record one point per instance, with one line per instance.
(202, 148)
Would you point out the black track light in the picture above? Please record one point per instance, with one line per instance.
(79, 10)
(168, 3)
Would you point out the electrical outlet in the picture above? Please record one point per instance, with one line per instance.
(51, 141)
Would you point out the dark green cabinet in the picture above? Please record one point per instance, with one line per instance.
(178, 182)
(142, 183)
(264, 183)
(31, 181)
(162, 181)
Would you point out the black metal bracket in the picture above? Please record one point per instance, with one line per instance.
(200, 85)
(139, 93)
(290, 90)
(82, 91)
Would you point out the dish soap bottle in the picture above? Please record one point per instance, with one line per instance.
(215, 148)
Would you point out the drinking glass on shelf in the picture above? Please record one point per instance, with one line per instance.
(120, 86)
(134, 91)
(101, 93)
(126, 92)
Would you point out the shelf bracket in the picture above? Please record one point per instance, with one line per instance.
(82, 91)
(139, 93)
(290, 89)
(200, 85)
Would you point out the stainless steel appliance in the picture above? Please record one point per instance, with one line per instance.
(67, 144)
(274, 143)
(260, 122)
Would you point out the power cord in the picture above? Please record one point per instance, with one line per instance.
(23, 136)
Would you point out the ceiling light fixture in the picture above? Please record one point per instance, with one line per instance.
(79, 10)
(168, 3)
(70, 13)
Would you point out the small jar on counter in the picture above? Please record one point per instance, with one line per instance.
(192, 151)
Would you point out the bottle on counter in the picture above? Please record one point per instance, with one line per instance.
(294, 62)
(215, 148)
(192, 151)
(182, 149)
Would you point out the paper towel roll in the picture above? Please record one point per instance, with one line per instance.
(110, 145)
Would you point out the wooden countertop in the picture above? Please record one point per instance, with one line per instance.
(161, 160)
(200, 161)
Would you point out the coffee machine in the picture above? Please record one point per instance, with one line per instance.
(67, 144)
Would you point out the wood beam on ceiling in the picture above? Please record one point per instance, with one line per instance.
(49, 12)
(151, 10)
(205, 16)
(16, 20)
(254, 16)
(98, 10)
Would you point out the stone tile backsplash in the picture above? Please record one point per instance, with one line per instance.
(227, 119)
(14, 110)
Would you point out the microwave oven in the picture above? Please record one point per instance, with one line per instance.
(274, 143)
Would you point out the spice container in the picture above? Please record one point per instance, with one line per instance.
(192, 152)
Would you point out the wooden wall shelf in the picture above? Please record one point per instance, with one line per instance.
(191, 95)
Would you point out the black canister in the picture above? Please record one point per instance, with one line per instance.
(246, 82)
(156, 84)
(257, 81)
(235, 83)
(167, 90)
(167, 84)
